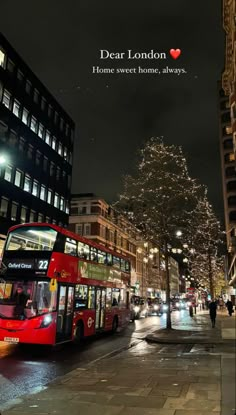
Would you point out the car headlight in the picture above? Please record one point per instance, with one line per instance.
(46, 321)
(136, 309)
(156, 307)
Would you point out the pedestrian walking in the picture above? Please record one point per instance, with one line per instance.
(212, 310)
(229, 306)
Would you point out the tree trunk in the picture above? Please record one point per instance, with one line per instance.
(211, 277)
(168, 315)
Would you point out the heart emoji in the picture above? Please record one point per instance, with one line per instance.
(175, 53)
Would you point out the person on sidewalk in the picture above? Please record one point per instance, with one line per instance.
(229, 306)
(212, 309)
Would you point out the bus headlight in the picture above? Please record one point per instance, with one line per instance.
(136, 309)
(46, 321)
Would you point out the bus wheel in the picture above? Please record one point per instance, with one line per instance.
(79, 333)
(114, 325)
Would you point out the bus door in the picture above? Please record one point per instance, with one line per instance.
(100, 307)
(65, 312)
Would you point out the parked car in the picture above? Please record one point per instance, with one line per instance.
(138, 307)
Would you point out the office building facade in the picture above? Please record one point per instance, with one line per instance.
(36, 147)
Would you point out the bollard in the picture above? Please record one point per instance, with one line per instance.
(191, 311)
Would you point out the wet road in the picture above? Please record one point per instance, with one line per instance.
(23, 372)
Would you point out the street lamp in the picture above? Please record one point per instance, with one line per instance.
(179, 233)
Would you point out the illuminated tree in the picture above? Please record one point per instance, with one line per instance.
(205, 262)
(160, 198)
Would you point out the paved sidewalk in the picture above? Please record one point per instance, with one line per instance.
(178, 380)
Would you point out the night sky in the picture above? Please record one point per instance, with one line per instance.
(116, 113)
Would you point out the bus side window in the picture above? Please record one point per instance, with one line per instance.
(108, 298)
(70, 247)
(91, 298)
(81, 296)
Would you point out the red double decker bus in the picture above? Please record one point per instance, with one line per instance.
(56, 286)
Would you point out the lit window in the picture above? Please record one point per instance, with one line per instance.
(35, 190)
(48, 138)
(54, 142)
(43, 193)
(49, 197)
(65, 153)
(56, 200)
(47, 219)
(8, 174)
(33, 124)
(23, 214)
(4, 207)
(62, 203)
(28, 87)
(2, 59)
(16, 108)
(41, 130)
(228, 130)
(27, 184)
(67, 207)
(231, 157)
(18, 178)
(87, 229)
(6, 100)
(60, 149)
(14, 207)
(25, 116)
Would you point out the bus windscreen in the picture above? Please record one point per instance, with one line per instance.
(31, 239)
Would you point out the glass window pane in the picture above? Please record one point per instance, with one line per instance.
(6, 100)
(16, 108)
(35, 238)
(71, 247)
(23, 214)
(27, 184)
(18, 178)
(41, 130)
(49, 197)
(33, 124)
(2, 59)
(14, 207)
(35, 190)
(81, 296)
(25, 116)
(3, 207)
(8, 173)
(43, 193)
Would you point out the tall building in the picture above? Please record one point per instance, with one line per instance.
(95, 219)
(36, 147)
(228, 99)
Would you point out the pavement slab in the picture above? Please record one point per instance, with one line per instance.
(170, 381)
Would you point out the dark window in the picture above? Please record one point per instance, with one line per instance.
(30, 151)
(10, 65)
(45, 163)
(228, 144)
(43, 104)
(28, 87)
(36, 96)
(22, 144)
(38, 158)
(232, 216)
(231, 186)
(232, 201)
(225, 117)
(230, 172)
(20, 76)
